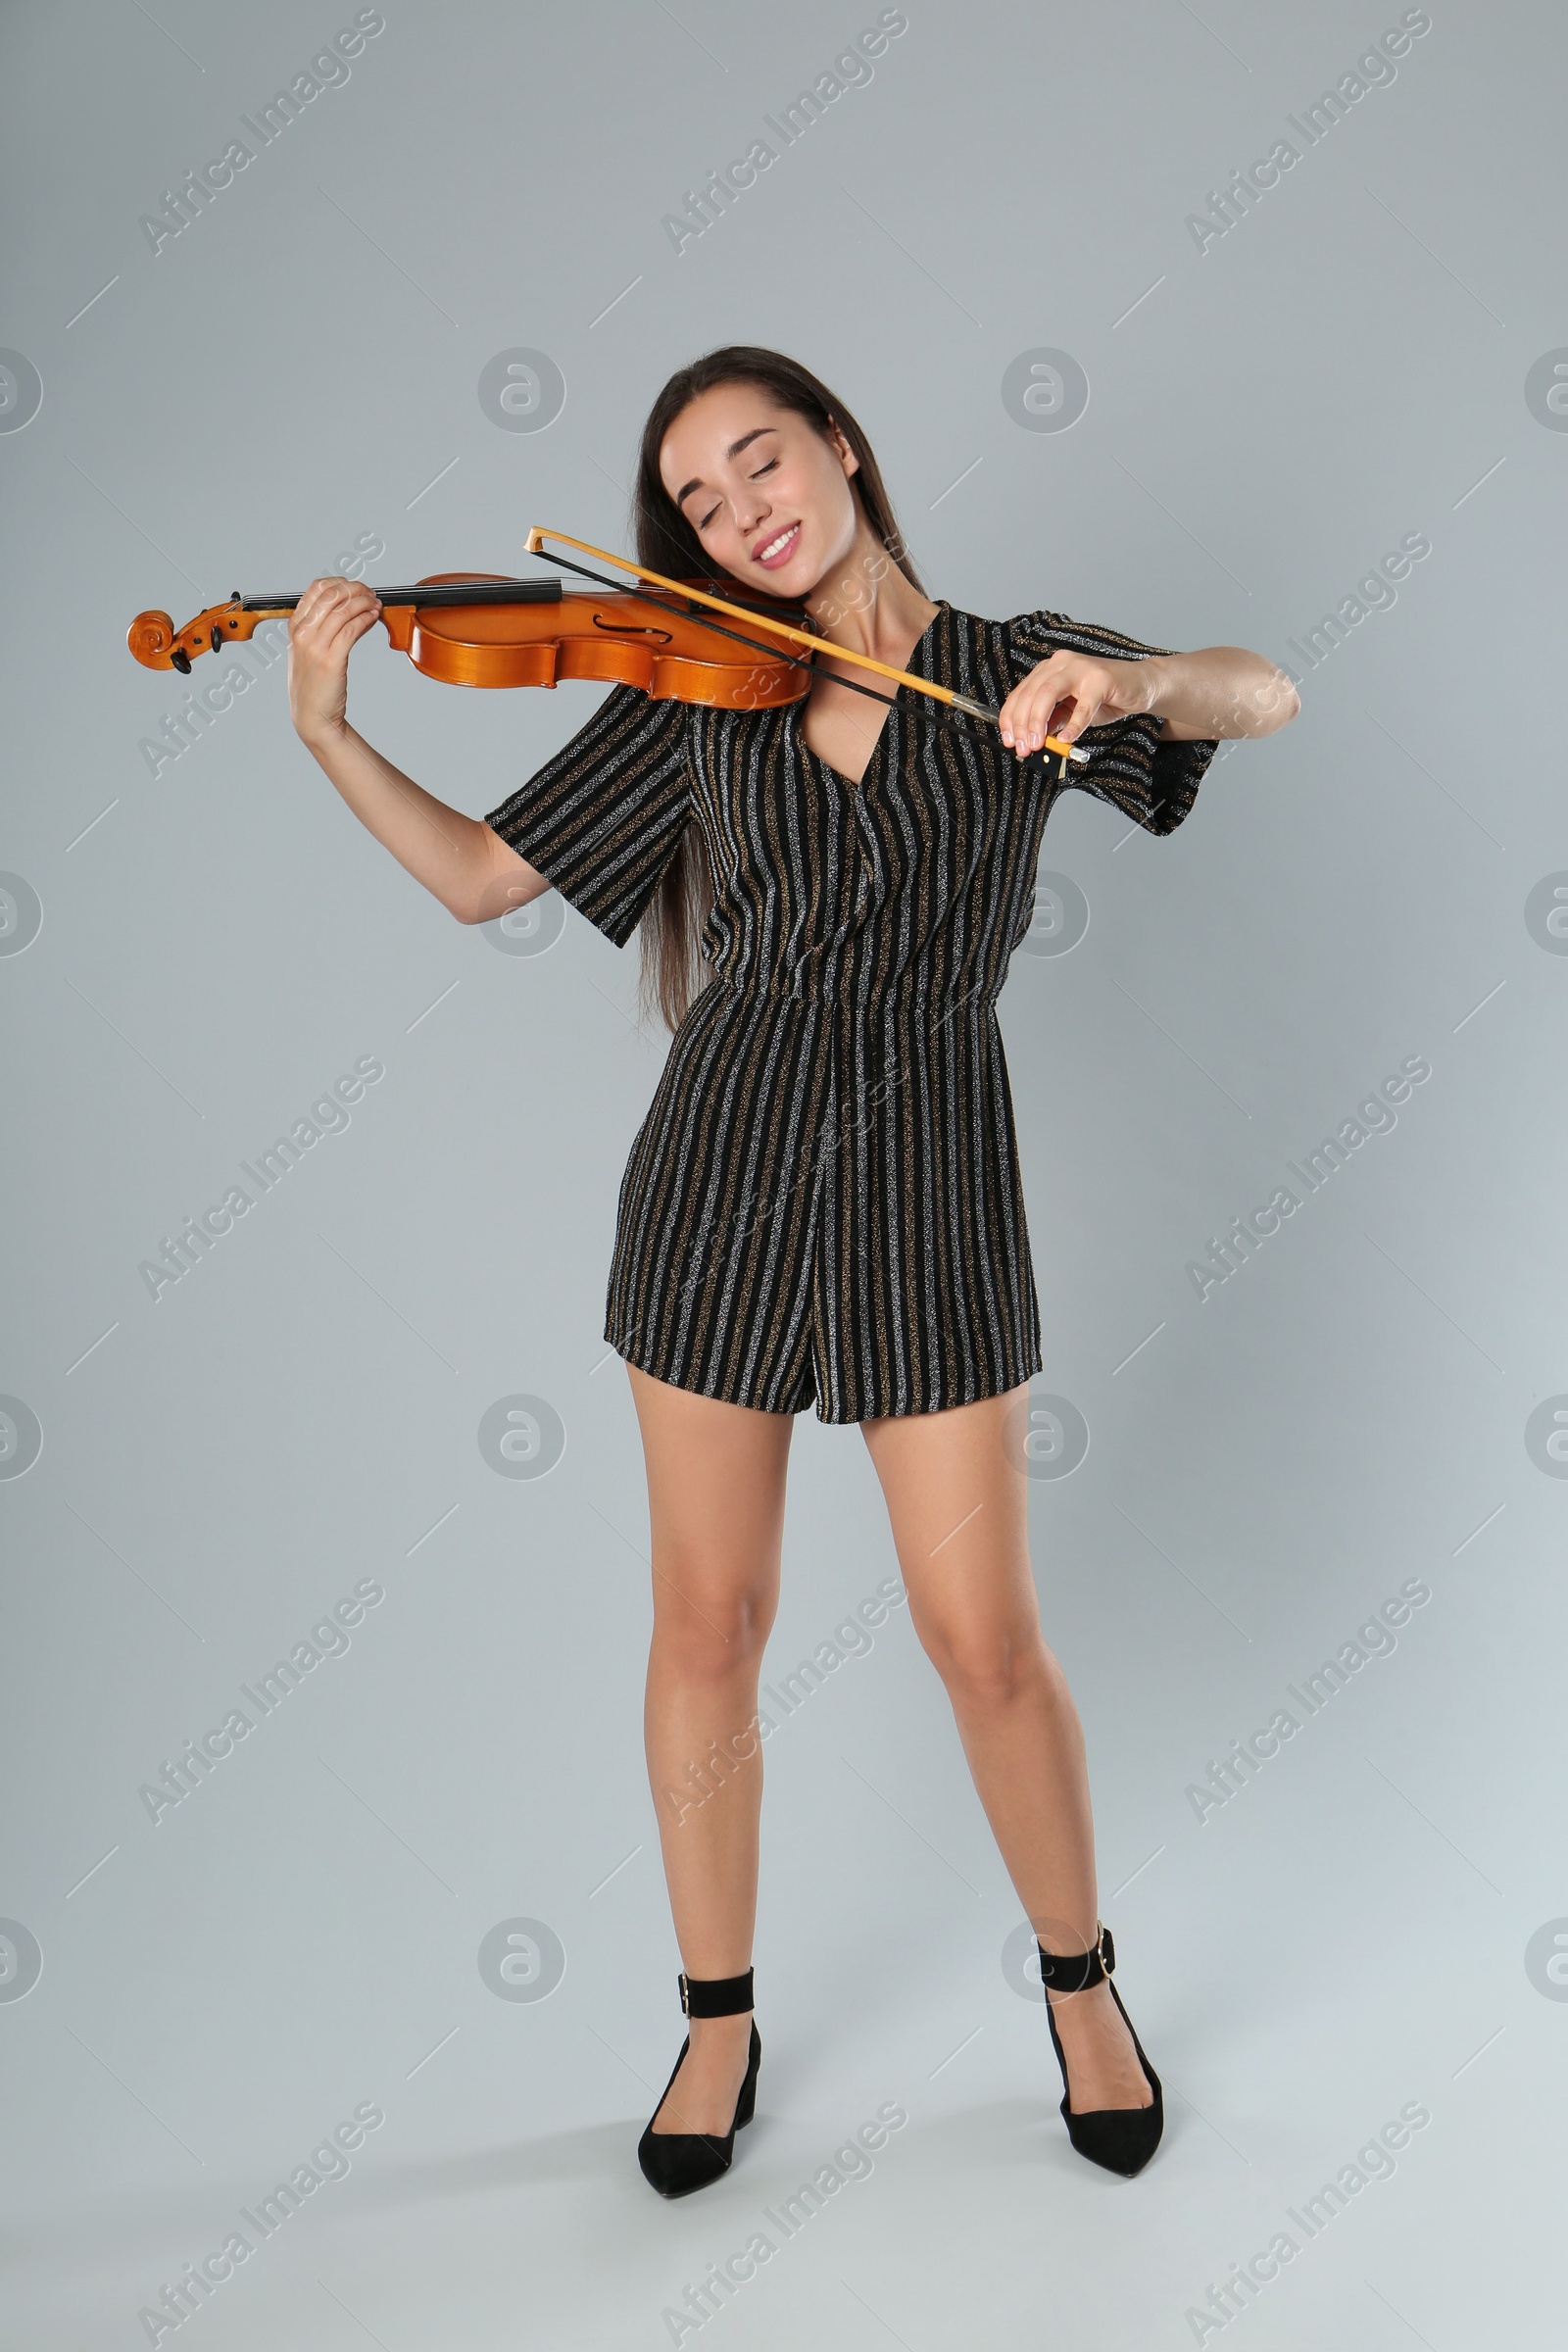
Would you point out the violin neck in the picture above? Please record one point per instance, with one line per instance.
(430, 594)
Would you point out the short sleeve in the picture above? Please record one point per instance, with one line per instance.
(603, 818)
(1150, 780)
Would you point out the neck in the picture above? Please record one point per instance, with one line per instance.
(865, 601)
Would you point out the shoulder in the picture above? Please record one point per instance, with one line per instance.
(1021, 629)
(973, 632)
(958, 618)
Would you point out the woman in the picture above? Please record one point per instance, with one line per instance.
(824, 1199)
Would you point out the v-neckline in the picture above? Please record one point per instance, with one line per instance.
(837, 773)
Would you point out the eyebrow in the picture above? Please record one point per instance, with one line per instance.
(733, 451)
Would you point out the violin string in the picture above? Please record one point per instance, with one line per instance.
(923, 710)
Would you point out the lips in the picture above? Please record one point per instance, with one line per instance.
(777, 547)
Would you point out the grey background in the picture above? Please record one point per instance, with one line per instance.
(1266, 418)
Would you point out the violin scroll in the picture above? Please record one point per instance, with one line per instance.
(150, 637)
(157, 645)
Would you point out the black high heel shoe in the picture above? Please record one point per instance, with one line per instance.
(1122, 2139)
(677, 2162)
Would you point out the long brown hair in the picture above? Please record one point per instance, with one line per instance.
(673, 927)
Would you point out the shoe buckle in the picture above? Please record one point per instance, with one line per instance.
(685, 2001)
(1102, 1953)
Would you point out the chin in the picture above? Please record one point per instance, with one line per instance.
(800, 578)
(791, 586)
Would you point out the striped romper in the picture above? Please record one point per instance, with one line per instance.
(823, 1202)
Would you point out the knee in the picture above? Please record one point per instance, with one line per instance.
(705, 1635)
(987, 1669)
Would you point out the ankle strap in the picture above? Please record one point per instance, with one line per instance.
(716, 1996)
(1075, 1971)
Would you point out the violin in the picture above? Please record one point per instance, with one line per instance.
(482, 628)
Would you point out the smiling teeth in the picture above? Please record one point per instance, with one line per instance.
(773, 545)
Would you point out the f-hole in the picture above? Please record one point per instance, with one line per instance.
(631, 628)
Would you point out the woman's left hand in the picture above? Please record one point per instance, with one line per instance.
(1097, 691)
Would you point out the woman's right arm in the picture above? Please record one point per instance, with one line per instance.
(462, 860)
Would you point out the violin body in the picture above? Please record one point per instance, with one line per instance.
(528, 633)
(604, 636)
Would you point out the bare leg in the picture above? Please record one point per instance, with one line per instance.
(715, 1501)
(958, 1510)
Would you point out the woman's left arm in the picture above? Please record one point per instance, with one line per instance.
(1220, 691)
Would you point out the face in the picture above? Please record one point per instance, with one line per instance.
(767, 496)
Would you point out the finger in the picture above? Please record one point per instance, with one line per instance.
(1041, 712)
(338, 638)
(1018, 711)
(323, 587)
(333, 588)
(1022, 727)
(1061, 691)
(351, 624)
(317, 600)
(1087, 700)
(317, 637)
(325, 602)
(1024, 724)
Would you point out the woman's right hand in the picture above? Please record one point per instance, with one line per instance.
(330, 618)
